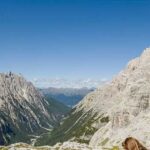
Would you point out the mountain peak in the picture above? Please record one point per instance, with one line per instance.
(146, 50)
(141, 61)
(23, 109)
(145, 57)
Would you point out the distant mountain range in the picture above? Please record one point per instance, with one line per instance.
(24, 111)
(67, 83)
(67, 96)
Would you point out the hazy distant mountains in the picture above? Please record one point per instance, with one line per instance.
(67, 83)
(67, 96)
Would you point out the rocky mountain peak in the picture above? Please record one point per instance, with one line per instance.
(141, 61)
(146, 53)
(145, 58)
(13, 86)
(23, 110)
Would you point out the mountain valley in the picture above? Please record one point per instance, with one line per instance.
(67, 96)
(101, 120)
(105, 118)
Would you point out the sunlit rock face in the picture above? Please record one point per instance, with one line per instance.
(131, 104)
(125, 100)
(23, 110)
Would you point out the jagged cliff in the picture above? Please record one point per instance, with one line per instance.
(24, 112)
(113, 112)
(126, 100)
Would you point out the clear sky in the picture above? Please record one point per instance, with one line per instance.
(72, 38)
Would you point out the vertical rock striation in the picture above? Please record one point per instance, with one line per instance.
(23, 110)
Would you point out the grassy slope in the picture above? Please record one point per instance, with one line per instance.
(56, 106)
(73, 126)
(69, 100)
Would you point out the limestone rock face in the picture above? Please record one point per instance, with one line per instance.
(23, 110)
(126, 102)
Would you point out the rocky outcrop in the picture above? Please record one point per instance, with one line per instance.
(127, 104)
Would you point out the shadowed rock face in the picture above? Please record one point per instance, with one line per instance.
(23, 110)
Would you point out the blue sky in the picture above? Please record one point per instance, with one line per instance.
(72, 38)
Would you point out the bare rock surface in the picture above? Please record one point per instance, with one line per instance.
(126, 102)
(23, 110)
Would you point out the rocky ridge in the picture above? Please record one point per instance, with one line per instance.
(125, 101)
(24, 112)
